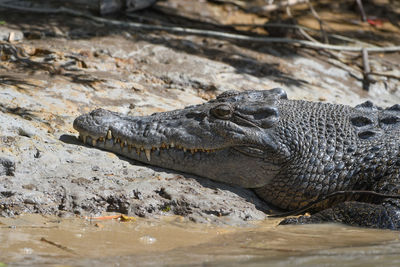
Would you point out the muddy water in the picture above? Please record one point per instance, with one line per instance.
(38, 240)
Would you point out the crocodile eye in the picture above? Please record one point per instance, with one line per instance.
(222, 111)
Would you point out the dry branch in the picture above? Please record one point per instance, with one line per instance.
(321, 23)
(361, 7)
(58, 245)
(388, 74)
(284, 25)
(367, 69)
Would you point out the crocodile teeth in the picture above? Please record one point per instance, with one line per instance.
(84, 139)
(172, 145)
(94, 142)
(147, 152)
(109, 135)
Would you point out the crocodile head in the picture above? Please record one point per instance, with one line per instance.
(232, 138)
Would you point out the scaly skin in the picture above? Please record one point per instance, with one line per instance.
(290, 152)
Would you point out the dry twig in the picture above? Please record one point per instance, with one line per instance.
(367, 70)
(361, 7)
(58, 246)
(387, 74)
(284, 25)
(30, 227)
(301, 30)
(321, 26)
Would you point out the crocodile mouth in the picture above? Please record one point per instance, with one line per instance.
(124, 147)
(208, 162)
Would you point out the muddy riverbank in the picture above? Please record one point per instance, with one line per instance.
(55, 67)
(68, 65)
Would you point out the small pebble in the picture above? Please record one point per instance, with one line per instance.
(148, 240)
(27, 251)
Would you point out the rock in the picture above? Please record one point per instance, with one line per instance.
(134, 5)
(10, 35)
(111, 6)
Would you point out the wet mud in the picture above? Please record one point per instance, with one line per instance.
(49, 241)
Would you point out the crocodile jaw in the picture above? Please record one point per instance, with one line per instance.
(217, 164)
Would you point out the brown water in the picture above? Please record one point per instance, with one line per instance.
(38, 240)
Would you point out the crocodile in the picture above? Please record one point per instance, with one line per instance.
(340, 162)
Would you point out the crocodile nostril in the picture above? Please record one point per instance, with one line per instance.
(266, 112)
